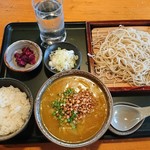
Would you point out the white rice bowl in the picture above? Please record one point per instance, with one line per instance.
(16, 105)
(14, 109)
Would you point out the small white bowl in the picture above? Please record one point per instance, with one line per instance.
(10, 61)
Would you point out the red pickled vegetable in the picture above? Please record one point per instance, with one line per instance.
(27, 56)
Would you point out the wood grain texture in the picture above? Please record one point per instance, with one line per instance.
(77, 10)
(80, 10)
(100, 145)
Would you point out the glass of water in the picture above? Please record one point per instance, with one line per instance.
(50, 19)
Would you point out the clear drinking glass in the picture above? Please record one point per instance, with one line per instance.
(50, 19)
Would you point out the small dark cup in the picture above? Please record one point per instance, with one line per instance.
(62, 45)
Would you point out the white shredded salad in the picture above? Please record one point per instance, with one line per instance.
(62, 59)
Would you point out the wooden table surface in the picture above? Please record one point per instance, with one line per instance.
(80, 10)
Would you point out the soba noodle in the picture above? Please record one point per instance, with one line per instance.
(125, 56)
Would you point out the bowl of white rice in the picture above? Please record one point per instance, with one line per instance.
(16, 105)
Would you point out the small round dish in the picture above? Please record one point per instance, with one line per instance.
(19, 111)
(23, 56)
(132, 130)
(62, 45)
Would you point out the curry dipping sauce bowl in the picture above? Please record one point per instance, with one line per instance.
(27, 61)
(61, 45)
(86, 128)
(21, 106)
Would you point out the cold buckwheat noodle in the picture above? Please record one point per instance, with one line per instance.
(124, 56)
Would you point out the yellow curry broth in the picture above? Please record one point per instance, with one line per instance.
(86, 127)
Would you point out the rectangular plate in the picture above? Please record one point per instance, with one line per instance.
(76, 34)
(102, 28)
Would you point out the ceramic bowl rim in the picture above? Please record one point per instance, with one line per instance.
(75, 49)
(21, 84)
(27, 69)
(52, 138)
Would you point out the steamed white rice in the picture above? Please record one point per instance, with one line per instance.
(14, 109)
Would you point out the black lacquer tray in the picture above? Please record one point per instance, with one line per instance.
(76, 34)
